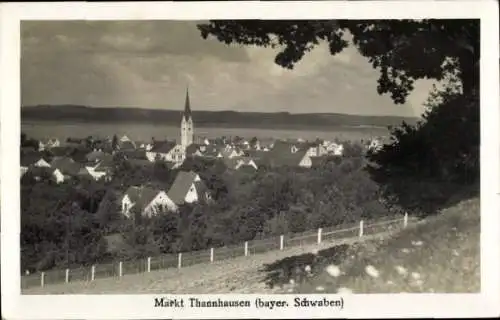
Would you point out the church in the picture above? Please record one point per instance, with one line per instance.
(187, 129)
(187, 133)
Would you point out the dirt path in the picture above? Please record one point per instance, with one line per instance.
(238, 275)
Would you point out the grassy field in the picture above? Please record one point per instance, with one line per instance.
(439, 254)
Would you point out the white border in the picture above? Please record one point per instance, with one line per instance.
(140, 306)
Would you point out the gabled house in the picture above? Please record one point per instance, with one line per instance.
(92, 173)
(146, 202)
(188, 188)
(240, 163)
(333, 148)
(230, 153)
(375, 145)
(45, 144)
(275, 158)
(96, 156)
(126, 145)
(166, 151)
(67, 166)
(39, 172)
(143, 145)
(32, 159)
(195, 150)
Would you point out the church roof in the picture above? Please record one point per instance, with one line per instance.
(187, 107)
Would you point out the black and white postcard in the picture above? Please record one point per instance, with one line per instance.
(250, 159)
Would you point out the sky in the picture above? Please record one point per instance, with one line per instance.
(149, 64)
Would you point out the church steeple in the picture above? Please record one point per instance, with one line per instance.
(187, 128)
(187, 106)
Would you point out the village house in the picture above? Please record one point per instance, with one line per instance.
(45, 144)
(167, 151)
(32, 159)
(144, 145)
(124, 143)
(67, 166)
(333, 148)
(39, 172)
(188, 188)
(241, 163)
(375, 145)
(146, 202)
(195, 150)
(95, 156)
(278, 157)
(230, 152)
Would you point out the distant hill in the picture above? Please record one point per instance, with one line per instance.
(75, 113)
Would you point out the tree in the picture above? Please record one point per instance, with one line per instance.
(114, 142)
(403, 51)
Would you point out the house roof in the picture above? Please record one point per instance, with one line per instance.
(40, 171)
(30, 158)
(163, 146)
(141, 196)
(183, 181)
(135, 154)
(192, 148)
(201, 187)
(61, 151)
(66, 165)
(105, 164)
(126, 145)
(95, 155)
(281, 158)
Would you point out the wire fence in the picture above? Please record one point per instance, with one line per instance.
(185, 259)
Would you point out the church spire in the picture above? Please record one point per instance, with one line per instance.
(187, 106)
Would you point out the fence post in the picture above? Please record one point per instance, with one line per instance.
(42, 279)
(211, 255)
(67, 276)
(179, 263)
(92, 274)
(361, 228)
(120, 269)
(319, 235)
(282, 242)
(246, 248)
(149, 264)
(405, 220)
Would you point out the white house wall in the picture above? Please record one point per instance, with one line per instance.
(161, 200)
(126, 206)
(42, 163)
(191, 195)
(306, 162)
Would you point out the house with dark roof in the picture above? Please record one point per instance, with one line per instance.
(195, 150)
(45, 144)
(126, 145)
(279, 158)
(67, 166)
(188, 188)
(240, 163)
(96, 156)
(146, 202)
(32, 159)
(166, 151)
(39, 172)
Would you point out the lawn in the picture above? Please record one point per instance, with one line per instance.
(441, 254)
